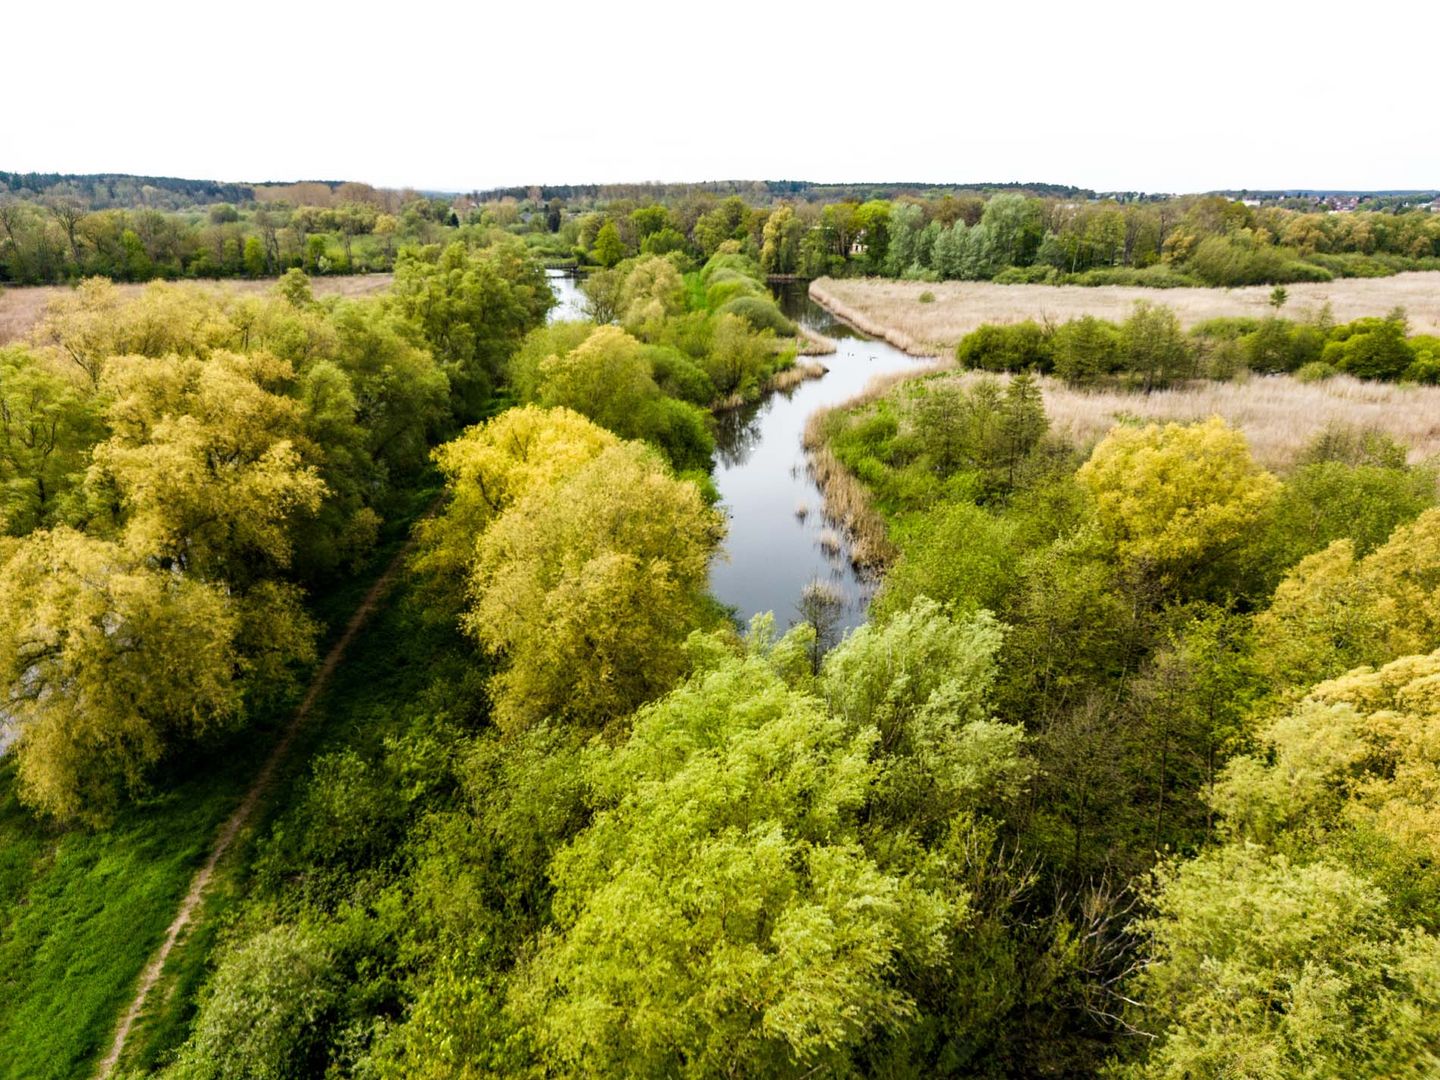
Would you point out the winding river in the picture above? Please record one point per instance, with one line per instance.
(772, 551)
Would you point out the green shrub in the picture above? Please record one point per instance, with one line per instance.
(1426, 366)
(1159, 276)
(1316, 371)
(1026, 275)
(761, 313)
(1085, 349)
(1351, 264)
(678, 376)
(927, 297)
(1229, 261)
(1226, 327)
(1019, 346)
(1371, 348)
(728, 286)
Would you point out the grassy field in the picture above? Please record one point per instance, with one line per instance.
(81, 912)
(20, 309)
(892, 309)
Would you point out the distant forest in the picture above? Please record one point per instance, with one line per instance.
(56, 228)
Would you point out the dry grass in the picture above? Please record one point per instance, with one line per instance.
(892, 310)
(21, 308)
(813, 343)
(794, 375)
(1279, 415)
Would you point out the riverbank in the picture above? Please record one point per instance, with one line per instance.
(894, 310)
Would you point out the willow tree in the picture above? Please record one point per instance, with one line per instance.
(587, 588)
(108, 663)
(1305, 945)
(489, 468)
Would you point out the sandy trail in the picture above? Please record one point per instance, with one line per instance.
(242, 813)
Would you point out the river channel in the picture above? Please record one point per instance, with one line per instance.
(771, 550)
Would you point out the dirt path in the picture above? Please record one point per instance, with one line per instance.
(242, 813)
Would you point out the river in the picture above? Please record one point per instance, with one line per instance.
(772, 552)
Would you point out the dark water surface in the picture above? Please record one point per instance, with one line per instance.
(771, 553)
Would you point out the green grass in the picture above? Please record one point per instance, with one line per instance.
(82, 912)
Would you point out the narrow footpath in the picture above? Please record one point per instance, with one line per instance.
(246, 808)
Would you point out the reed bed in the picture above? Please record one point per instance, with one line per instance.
(1279, 415)
(847, 504)
(892, 309)
(794, 375)
(814, 343)
(22, 307)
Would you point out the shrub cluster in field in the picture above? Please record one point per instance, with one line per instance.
(1149, 349)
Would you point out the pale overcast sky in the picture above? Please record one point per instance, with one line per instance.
(1154, 96)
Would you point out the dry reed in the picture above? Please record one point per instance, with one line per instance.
(892, 309)
(847, 503)
(1279, 415)
(794, 375)
(813, 343)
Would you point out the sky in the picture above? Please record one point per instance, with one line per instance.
(1122, 96)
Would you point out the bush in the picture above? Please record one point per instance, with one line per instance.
(678, 376)
(927, 297)
(1159, 276)
(1019, 346)
(263, 1012)
(726, 286)
(1086, 348)
(1026, 275)
(1426, 366)
(1316, 371)
(1352, 264)
(1226, 328)
(761, 313)
(1228, 261)
(1371, 348)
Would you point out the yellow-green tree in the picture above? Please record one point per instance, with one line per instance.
(48, 422)
(204, 469)
(105, 662)
(652, 292)
(1305, 945)
(1333, 612)
(487, 469)
(1169, 496)
(586, 589)
(606, 378)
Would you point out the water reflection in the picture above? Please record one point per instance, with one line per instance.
(772, 551)
(571, 301)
